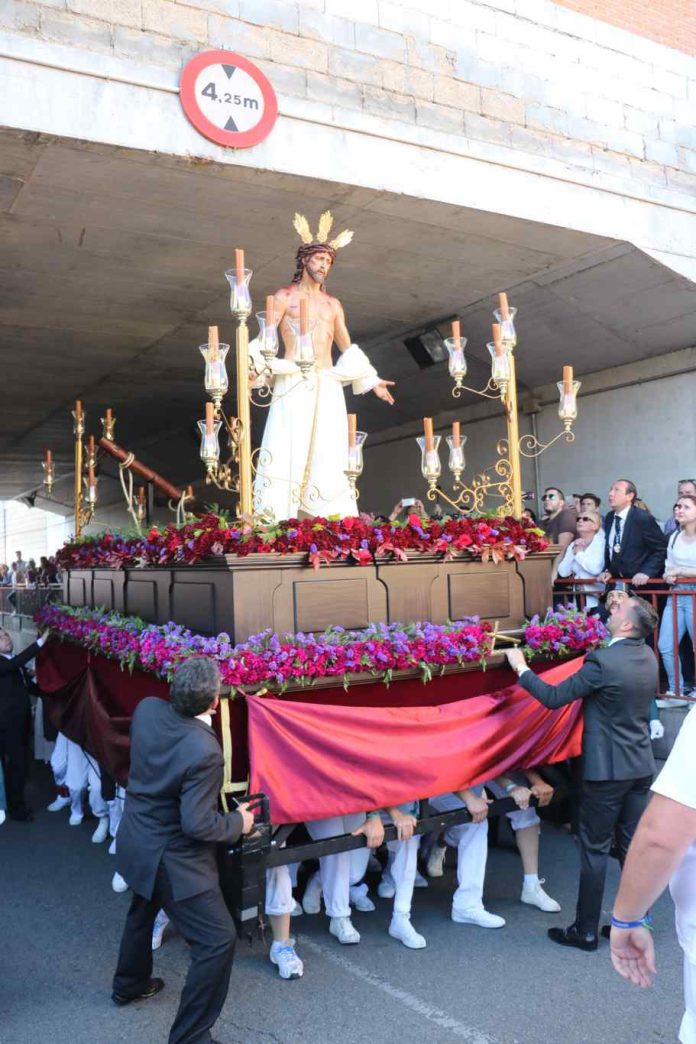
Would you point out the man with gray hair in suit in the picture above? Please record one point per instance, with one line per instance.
(166, 848)
(617, 685)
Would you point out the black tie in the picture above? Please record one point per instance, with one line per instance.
(617, 530)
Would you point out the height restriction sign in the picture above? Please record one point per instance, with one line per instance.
(228, 99)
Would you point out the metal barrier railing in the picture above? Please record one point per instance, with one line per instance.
(24, 600)
(584, 593)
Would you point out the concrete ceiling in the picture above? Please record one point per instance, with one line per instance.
(111, 269)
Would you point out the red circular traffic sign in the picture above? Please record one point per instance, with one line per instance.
(228, 99)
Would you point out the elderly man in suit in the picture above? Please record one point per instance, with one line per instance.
(167, 844)
(635, 546)
(15, 719)
(617, 684)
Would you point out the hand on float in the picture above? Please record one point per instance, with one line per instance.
(521, 796)
(543, 792)
(382, 392)
(515, 658)
(477, 805)
(373, 829)
(405, 824)
(247, 817)
(633, 954)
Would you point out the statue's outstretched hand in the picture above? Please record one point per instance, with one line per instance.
(382, 392)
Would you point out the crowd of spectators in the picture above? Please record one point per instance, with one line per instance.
(628, 544)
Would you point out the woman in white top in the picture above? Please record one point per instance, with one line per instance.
(584, 557)
(681, 562)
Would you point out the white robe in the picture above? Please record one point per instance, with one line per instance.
(300, 468)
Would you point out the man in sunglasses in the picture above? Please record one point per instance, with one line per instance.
(559, 522)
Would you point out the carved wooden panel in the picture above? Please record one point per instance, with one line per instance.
(79, 589)
(141, 598)
(103, 592)
(536, 576)
(482, 593)
(341, 602)
(195, 605)
(409, 590)
(253, 604)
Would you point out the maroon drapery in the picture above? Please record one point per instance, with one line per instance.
(328, 751)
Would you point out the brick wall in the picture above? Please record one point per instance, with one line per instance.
(669, 22)
(520, 78)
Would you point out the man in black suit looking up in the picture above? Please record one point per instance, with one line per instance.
(617, 684)
(15, 719)
(166, 848)
(635, 546)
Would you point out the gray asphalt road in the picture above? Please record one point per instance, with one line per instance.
(61, 924)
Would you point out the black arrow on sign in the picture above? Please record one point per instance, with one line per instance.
(231, 125)
(229, 69)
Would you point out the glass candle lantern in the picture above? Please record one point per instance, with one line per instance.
(568, 406)
(268, 337)
(210, 445)
(304, 347)
(355, 455)
(500, 363)
(215, 379)
(507, 327)
(430, 459)
(457, 360)
(240, 298)
(457, 460)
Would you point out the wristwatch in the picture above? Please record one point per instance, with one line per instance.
(510, 787)
(520, 669)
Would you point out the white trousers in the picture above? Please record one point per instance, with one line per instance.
(116, 810)
(75, 770)
(471, 842)
(338, 872)
(687, 1030)
(402, 864)
(279, 899)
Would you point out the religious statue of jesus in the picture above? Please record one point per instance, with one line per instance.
(304, 453)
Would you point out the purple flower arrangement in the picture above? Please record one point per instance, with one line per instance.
(278, 660)
(563, 632)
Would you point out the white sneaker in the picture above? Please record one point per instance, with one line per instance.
(75, 819)
(420, 881)
(118, 884)
(112, 847)
(481, 917)
(311, 900)
(402, 929)
(534, 895)
(60, 802)
(361, 900)
(344, 931)
(3, 816)
(286, 960)
(386, 889)
(671, 701)
(436, 861)
(102, 831)
(297, 910)
(158, 929)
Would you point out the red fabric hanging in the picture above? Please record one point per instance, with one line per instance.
(315, 761)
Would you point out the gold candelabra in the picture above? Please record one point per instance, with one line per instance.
(503, 478)
(85, 497)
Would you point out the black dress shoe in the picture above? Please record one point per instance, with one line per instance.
(572, 937)
(21, 815)
(152, 987)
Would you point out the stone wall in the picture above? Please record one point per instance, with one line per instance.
(521, 81)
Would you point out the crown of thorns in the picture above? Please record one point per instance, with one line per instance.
(322, 237)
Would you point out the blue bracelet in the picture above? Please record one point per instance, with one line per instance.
(644, 922)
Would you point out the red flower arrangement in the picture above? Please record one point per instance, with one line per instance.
(322, 540)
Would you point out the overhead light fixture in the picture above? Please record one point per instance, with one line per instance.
(427, 348)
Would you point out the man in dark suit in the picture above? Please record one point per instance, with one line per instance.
(15, 720)
(635, 546)
(617, 684)
(166, 849)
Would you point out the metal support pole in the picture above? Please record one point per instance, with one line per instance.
(513, 439)
(79, 432)
(244, 415)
